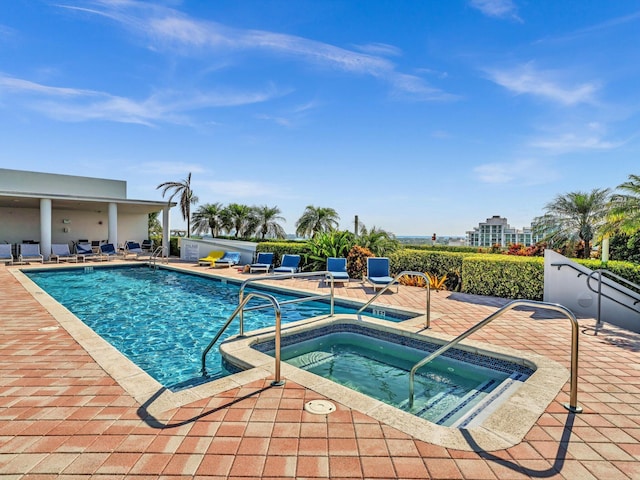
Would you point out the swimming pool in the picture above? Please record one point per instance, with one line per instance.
(162, 319)
(450, 390)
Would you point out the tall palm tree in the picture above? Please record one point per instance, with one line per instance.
(315, 220)
(238, 217)
(575, 215)
(207, 217)
(187, 197)
(154, 227)
(625, 207)
(268, 218)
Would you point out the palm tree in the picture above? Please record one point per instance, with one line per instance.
(575, 215)
(315, 220)
(187, 198)
(208, 217)
(238, 217)
(268, 218)
(154, 227)
(625, 207)
(379, 241)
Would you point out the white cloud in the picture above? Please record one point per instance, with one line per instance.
(168, 28)
(74, 105)
(519, 172)
(569, 142)
(526, 79)
(496, 8)
(380, 49)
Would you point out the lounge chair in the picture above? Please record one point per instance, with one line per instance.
(5, 253)
(263, 263)
(289, 264)
(338, 268)
(30, 251)
(134, 248)
(107, 251)
(60, 251)
(211, 258)
(229, 259)
(378, 273)
(147, 245)
(84, 251)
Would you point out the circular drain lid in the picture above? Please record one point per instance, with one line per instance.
(319, 407)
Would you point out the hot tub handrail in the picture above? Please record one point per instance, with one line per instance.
(276, 307)
(394, 281)
(282, 276)
(572, 406)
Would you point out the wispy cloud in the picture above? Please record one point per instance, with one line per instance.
(526, 79)
(167, 28)
(75, 105)
(517, 172)
(497, 8)
(591, 137)
(600, 27)
(379, 49)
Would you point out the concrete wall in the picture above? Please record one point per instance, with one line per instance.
(566, 285)
(47, 183)
(18, 224)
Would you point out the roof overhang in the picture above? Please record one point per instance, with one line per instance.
(68, 202)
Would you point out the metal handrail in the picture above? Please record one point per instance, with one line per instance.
(276, 307)
(394, 281)
(601, 272)
(282, 276)
(572, 406)
(159, 251)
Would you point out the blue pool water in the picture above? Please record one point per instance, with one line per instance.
(162, 320)
(448, 391)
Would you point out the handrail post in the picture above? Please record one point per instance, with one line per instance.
(572, 406)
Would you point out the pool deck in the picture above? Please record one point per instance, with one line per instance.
(63, 416)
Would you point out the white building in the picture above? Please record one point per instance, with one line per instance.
(49, 208)
(496, 230)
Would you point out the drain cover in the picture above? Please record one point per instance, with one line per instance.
(319, 407)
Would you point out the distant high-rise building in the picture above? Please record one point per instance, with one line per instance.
(496, 230)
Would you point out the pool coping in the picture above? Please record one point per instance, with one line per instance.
(504, 428)
(501, 426)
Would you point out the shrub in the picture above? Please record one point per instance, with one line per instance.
(280, 248)
(325, 245)
(503, 276)
(357, 261)
(438, 264)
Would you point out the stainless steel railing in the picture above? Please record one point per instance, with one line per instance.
(276, 307)
(572, 406)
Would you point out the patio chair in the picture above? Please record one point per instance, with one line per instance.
(84, 251)
(229, 259)
(147, 245)
(338, 268)
(107, 251)
(211, 258)
(5, 253)
(30, 251)
(378, 273)
(134, 248)
(263, 263)
(289, 264)
(60, 251)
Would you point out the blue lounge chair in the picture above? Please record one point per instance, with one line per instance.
(263, 263)
(134, 248)
(5, 253)
(60, 251)
(30, 251)
(84, 251)
(378, 273)
(338, 268)
(229, 259)
(107, 251)
(289, 264)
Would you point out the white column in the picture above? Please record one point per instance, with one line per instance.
(165, 228)
(113, 224)
(605, 249)
(45, 227)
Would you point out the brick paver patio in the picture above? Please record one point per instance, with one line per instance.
(63, 416)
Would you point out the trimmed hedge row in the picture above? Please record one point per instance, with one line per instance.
(627, 270)
(279, 248)
(503, 276)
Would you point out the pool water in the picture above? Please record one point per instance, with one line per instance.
(160, 319)
(446, 390)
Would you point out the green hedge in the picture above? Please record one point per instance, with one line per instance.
(433, 263)
(503, 276)
(627, 270)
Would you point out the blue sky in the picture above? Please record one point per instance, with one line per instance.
(417, 116)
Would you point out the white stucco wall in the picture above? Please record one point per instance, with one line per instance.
(46, 183)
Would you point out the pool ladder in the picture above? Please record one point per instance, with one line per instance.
(572, 406)
(159, 252)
